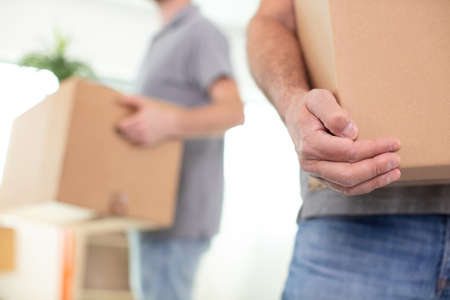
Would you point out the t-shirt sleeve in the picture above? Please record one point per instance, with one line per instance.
(211, 56)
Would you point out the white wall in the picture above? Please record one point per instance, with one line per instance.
(112, 35)
(249, 258)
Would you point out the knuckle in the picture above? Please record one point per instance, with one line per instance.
(352, 154)
(318, 96)
(307, 166)
(321, 93)
(379, 166)
(306, 146)
(306, 150)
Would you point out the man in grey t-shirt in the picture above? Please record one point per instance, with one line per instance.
(358, 239)
(188, 67)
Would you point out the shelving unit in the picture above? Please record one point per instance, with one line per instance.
(100, 267)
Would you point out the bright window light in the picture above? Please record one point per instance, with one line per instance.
(21, 88)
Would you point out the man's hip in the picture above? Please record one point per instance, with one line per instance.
(378, 257)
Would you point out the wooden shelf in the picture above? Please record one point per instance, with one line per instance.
(105, 295)
(117, 240)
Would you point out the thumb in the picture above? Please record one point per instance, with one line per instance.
(323, 105)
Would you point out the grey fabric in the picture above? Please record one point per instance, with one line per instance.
(390, 200)
(183, 60)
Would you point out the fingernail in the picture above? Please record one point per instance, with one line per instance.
(392, 164)
(389, 166)
(350, 130)
(389, 179)
(395, 146)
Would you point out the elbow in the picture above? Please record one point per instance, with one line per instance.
(239, 116)
(239, 120)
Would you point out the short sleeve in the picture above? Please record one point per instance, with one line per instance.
(211, 56)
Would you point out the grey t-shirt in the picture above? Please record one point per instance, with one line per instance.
(389, 200)
(184, 59)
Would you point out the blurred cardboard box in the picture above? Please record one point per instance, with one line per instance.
(7, 250)
(66, 164)
(388, 62)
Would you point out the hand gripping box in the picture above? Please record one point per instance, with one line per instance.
(388, 63)
(66, 164)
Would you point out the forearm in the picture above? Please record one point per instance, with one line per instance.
(208, 121)
(276, 61)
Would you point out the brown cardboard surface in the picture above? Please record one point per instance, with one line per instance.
(66, 163)
(388, 62)
(7, 250)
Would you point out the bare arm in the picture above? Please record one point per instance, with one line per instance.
(274, 53)
(225, 112)
(325, 137)
(156, 120)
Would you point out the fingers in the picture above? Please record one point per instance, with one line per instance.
(325, 107)
(133, 129)
(135, 135)
(344, 163)
(132, 102)
(353, 174)
(368, 186)
(136, 118)
(132, 138)
(323, 146)
(128, 123)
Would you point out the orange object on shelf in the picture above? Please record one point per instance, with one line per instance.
(68, 267)
(7, 249)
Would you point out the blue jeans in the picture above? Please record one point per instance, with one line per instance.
(163, 268)
(371, 258)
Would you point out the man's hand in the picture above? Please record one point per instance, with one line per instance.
(326, 142)
(153, 121)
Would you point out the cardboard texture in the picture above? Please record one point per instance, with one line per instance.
(388, 63)
(7, 250)
(67, 164)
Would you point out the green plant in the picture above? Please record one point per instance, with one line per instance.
(57, 62)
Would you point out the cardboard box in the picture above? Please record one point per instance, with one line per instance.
(67, 164)
(7, 250)
(388, 62)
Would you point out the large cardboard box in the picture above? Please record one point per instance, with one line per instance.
(7, 250)
(388, 62)
(66, 164)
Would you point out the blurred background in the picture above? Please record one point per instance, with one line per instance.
(250, 256)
